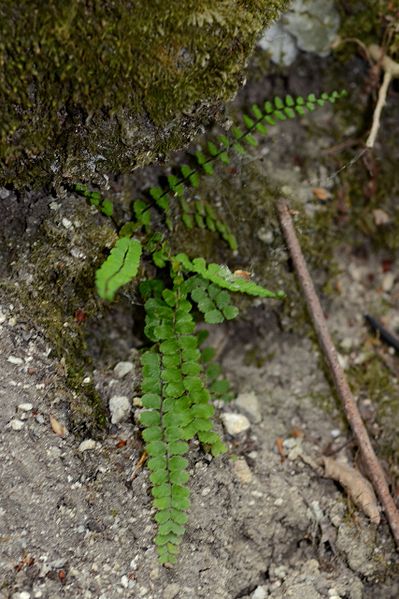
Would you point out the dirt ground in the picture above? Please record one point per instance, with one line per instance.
(76, 520)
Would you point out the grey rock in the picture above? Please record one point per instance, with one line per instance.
(249, 403)
(122, 369)
(87, 444)
(309, 25)
(25, 407)
(259, 593)
(235, 423)
(314, 24)
(119, 406)
(16, 424)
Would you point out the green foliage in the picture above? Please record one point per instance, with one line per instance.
(179, 379)
(94, 198)
(222, 276)
(120, 267)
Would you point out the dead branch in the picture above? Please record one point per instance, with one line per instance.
(375, 471)
(391, 70)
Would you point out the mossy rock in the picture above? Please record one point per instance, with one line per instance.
(89, 88)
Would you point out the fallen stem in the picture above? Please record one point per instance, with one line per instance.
(382, 96)
(391, 70)
(375, 470)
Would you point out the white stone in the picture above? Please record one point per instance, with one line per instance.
(122, 369)
(235, 423)
(87, 444)
(119, 406)
(16, 424)
(21, 595)
(15, 360)
(125, 581)
(25, 407)
(249, 403)
(387, 281)
(259, 593)
(66, 223)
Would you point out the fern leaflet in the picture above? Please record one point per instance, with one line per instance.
(119, 268)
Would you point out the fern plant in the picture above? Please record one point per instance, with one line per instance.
(179, 380)
(177, 402)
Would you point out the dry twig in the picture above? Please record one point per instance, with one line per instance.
(391, 70)
(375, 470)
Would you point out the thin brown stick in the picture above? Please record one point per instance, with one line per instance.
(375, 470)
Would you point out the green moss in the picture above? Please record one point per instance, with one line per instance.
(114, 84)
(61, 300)
(373, 381)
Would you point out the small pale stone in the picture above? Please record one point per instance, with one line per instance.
(259, 593)
(15, 360)
(137, 402)
(21, 595)
(25, 407)
(119, 406)
(387, 281)
(125, 581)
(381, 217)
(249, 403)
(16, 424)
(87, 444)
(242, 471)
(122, 369)
(66, 223)
(235, 423)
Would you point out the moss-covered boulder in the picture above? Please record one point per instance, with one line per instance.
(88, 88)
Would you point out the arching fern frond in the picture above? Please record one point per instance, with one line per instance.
(222, 276)
(119, 268)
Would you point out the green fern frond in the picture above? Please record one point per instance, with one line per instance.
(103, 205)
(177, 409)
(119, 268)
(223, 277)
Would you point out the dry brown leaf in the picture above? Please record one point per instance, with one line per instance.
(321, 193)
(58, 428)
(357, 487)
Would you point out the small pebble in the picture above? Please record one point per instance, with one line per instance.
(25, 407)
(21, 595)
(125, 581)
(119, 406)
(249, 403)
(335, 433)
(235, 423)
(122, 369)
(87, 444)
(259, 593)
(387, 281)
(16, 424)
(66, 223)
(15, 360)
